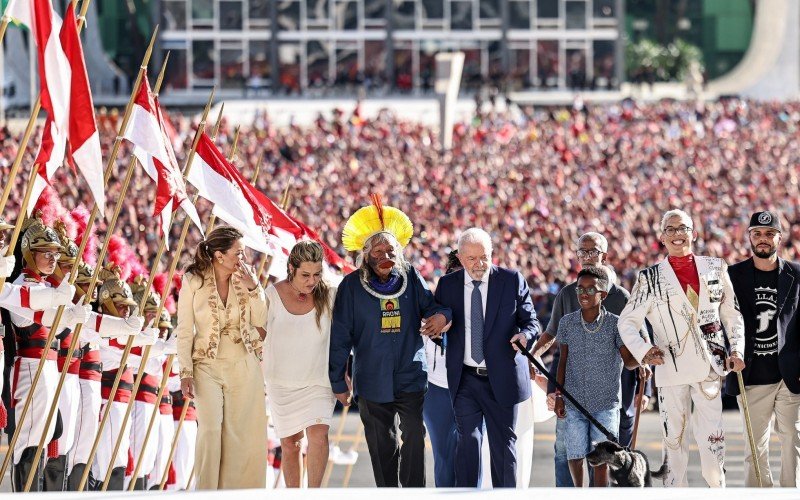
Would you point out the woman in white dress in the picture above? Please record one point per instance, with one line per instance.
(296, 362)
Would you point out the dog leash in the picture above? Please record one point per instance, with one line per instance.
(578, 406)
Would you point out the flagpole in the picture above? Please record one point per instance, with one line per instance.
(231, 156)
(93, 282)
(146, 351)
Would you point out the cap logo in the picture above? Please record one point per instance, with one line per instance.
(764, 218)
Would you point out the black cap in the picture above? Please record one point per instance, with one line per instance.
(765, 219)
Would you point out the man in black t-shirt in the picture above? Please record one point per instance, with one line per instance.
(766, 287)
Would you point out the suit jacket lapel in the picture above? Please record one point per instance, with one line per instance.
(785, 281)
(492, 300)
(702, 275)
(458, 310)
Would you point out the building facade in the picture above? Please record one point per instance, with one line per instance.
(302, 46)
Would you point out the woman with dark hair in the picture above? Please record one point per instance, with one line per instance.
(296, 362)
(219, 307)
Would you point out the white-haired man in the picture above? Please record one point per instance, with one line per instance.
(487, 377)
(691, 306)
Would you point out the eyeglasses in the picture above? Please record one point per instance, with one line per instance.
(672, 231)
(589, 253)
(588, 291)
(50, 255)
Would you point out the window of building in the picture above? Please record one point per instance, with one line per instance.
(202, 14)
(176, 75)
(576, 15)
(231, 67)
(288, 15)
(318, 62)
(230, 15)
(603, 65)
(346, 15)
(547, 9)
(259, 59)
(203, 61)
(461, 15)
(519, 15)
(289, 59)
(403, 15)
(547, 63)
(318, 13)
(173, 15)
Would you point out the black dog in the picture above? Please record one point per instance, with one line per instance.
(627, 467)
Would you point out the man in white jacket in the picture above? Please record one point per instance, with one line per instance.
(688, 300)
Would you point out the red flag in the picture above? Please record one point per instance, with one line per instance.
(153, 149)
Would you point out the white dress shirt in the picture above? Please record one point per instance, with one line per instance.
(468, 287)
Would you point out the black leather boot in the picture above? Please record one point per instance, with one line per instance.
(23, 468)
(140, 484)
(117, 481)
(55, 474)
(74, 478)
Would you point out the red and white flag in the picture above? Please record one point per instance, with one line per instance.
(234, 198)
(70, 129)
(147, 132)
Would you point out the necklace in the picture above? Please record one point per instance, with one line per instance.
(601, 317)
(302, 297)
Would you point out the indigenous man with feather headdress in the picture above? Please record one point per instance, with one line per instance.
(379, 313)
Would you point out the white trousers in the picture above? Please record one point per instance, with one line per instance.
(32, 427)
(141, 419)
(103, 459)
(705, 422)
(184, 455)
(165, 433)
(69, 406)
(88, 422)
(764, 402)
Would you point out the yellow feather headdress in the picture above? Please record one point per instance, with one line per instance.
(373, 219)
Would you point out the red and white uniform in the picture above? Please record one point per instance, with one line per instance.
(31, 338)
(90, 371)
(144, 406)
(111, 355)
(166, 433)
(183, 461)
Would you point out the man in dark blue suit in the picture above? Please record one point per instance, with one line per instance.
(487, 377)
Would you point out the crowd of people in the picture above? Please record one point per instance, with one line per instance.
(557, 189)
(541, 177)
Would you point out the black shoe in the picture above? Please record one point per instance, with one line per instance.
(140, 484)
(117, 481)
(74, 478)
(55, 474)
(23, 468)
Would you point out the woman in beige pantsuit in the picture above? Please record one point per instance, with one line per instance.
(219, 306)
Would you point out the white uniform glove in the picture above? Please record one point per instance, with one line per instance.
(62, 296)
(77, 314)
(7, 266)
(133, 326)
(148, 336)
(171, 345)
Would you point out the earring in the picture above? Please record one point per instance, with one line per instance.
(219, 260)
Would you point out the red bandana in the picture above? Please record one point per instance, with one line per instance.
(686, 271)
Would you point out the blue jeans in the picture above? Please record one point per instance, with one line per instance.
(441, 424)
(580, 433)
(563, 477)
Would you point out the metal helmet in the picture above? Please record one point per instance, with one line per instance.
(153, 300)
(114, 291)
(69, 250)
(85, 272)
(165, 320)
(37, 237)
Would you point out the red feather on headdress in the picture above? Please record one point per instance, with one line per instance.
(81, 218)
(122, 255)
(49, 204)
(159, 284)
(378, 202)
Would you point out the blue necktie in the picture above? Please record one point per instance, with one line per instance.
(476, 319)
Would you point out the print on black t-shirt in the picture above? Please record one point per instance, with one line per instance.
(764, 365)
